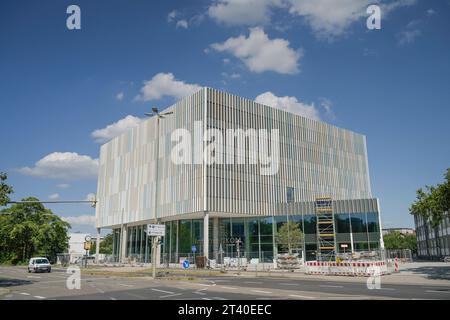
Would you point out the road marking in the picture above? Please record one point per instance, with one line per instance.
(299, 296)
(25, 294)
(390, 289)
(199, 292)
(261, 291)
(135, 295)
(288, 284)
(437, 291)
(204, 284)
(170, 295)
(37, 277)
(113, 298)
(206, 298)
(229, 288)
(255, 282)
(330, 286)
(125, 285)
(219, 298)
(163, 291)
(39, 297)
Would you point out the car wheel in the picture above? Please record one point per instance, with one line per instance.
(49, 270)
(29, 271)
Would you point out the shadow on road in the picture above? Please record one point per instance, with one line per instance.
(13, 282)
(432, 272)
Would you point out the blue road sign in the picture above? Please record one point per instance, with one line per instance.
(194, 248)
(186, 264)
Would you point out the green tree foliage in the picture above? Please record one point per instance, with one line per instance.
(433, 202)
(5, 189)
(397, 240)
(289, 236)
(106, 246)
(30, 229)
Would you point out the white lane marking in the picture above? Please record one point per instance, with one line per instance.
(229, 288)
(125, 285)
(135, 295)
(163, 291)
(299, 296)
(170, 295)
(390, 289)
(261, 291)
(204, 284)
(255, 282)
(206, 298)
(25, 294)
(219, 298)
(199, 292)
(39, 297)
(437, 291)
(288, 284)
(36, 277)
(330, 286)
(113, 298)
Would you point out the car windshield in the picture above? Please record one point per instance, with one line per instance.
(39, 261)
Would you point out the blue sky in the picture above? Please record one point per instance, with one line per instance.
(58, 86)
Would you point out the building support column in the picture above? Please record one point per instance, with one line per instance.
(123, 244)
(216, 238)
(97, 245)
(206, 235)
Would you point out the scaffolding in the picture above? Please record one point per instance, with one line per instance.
(326, 236)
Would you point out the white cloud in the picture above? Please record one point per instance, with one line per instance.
(327, 105)
(242, 12)
(327, 18)
(172, 15)
(120, 96)
(165, 84)
(90, 197)
(54, 196)
(430, 12)
(408, 36)
(330, 18)
(63, 165)
(259, 53)
(63, 186)
(113, 130)
(290, 104)
(80, 220)
(182, 24)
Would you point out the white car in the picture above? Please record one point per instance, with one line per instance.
(39, 264)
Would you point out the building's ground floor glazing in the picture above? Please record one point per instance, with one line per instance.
(257, 235)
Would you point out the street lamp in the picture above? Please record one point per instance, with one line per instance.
(159, 116)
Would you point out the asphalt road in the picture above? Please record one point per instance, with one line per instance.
(17, 284)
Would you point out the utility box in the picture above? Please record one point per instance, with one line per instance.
(200, 262)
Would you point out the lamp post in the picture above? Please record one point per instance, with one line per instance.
(159, 116)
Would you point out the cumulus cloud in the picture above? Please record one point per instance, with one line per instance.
(327, 105)
(90, 197)
(172, 15)
(120, 96)
(54, 196)
(182, 24)
(113, 130)
(290, 104)
(259, 53)
(165, 84)
(326, 18)
(242, 12)
(63, 165)
(408, 36)
(81, 220)
(63, 186)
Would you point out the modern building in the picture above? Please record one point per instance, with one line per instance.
(221, 168)
(432, 242)
(400, 230)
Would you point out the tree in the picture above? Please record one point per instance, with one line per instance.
(433, 204)
(289, 236)
(396, 240)
(5, 189)
(30, 229)
(106, 246)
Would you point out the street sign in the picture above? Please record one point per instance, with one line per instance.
(186, 264)
(194, 249)
(156, 230)
(344, 245)
(87, 238)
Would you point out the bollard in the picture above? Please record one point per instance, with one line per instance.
(395, 264)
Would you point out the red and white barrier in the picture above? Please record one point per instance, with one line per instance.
(396, 264)
(363, 268)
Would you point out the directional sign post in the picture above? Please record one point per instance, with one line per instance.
(155, 231)
(185, 267)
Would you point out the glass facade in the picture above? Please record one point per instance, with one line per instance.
(257, 236)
